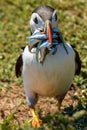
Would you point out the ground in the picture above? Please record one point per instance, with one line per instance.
(13, 101)
(14, 28)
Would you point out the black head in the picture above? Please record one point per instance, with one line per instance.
(40, 15)
(45, 12)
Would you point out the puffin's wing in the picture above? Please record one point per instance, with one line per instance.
(18, 66)
(77, 62)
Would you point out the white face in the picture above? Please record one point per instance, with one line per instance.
(36, 22)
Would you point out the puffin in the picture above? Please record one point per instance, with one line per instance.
(47, 65)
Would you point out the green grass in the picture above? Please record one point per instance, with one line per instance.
(14, 28)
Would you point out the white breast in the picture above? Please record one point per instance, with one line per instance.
(52, 78)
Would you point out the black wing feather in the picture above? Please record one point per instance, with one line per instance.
(18, 66)
(77, 62)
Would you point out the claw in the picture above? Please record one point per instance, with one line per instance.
(36, 123)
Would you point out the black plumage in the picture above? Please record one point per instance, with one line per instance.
(18, 66)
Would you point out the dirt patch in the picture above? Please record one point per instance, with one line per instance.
(13, 99)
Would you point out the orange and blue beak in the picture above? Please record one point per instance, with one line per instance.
(48, 30)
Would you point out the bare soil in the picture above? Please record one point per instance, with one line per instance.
(13, 99)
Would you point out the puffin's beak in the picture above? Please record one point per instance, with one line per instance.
(48, 31)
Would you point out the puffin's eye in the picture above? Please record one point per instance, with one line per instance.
(35, 20)
(55, 16)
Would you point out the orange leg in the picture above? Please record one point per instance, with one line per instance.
(36, 123)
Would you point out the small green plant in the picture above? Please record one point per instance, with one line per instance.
(7, 124)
